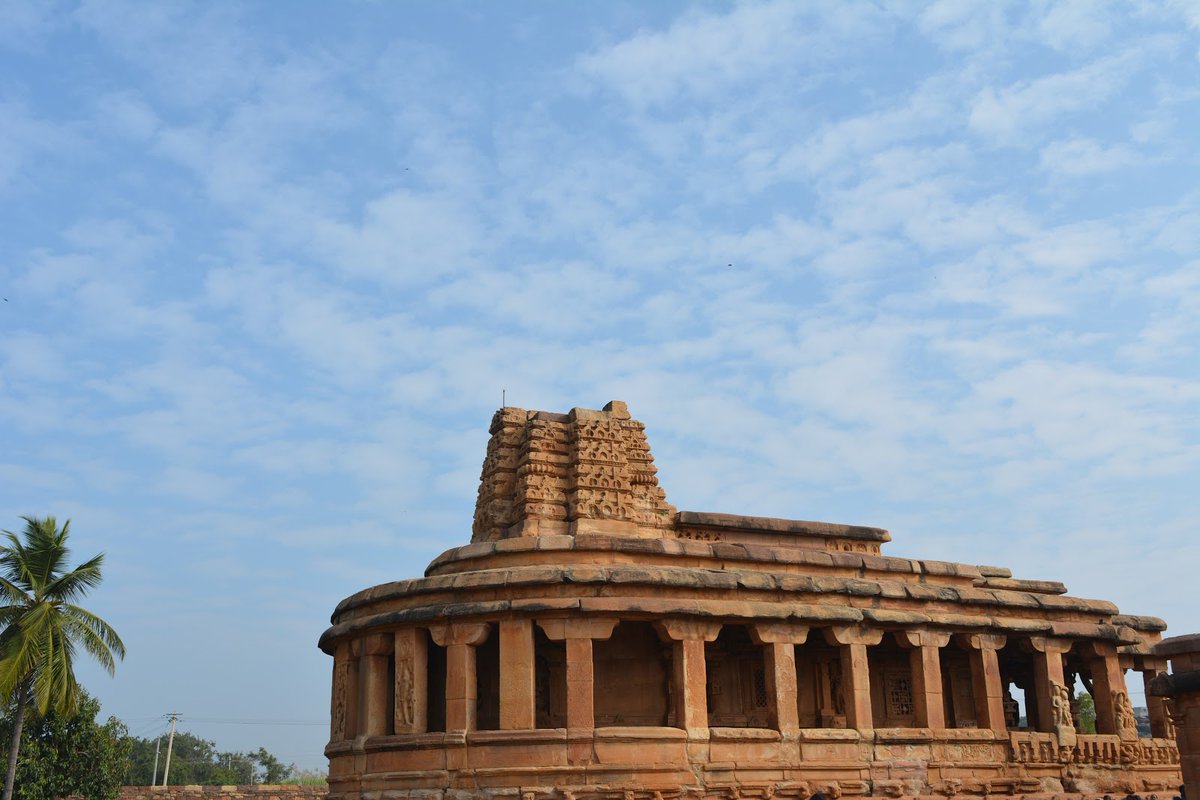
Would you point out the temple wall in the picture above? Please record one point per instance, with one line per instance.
(257, 792)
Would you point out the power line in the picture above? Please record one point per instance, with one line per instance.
(243, 721)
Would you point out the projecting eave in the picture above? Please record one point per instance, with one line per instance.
(713, 521)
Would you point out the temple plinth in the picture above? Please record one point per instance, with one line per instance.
(592, 642)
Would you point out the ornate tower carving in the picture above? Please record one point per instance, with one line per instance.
(584, 471)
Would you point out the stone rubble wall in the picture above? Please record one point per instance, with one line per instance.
(257, 792)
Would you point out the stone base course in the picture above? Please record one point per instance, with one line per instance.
(258, 792)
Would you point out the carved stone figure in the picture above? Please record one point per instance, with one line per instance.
(1126, 722)
(1012, 710)
(406, 702)
(1061, 700)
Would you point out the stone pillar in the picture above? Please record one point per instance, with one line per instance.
(1181, 689)
(375, 689)
(578, 635)
(581, 688)
(856, 672)
(412, 681)
(1160, 721)
(925, 663)
(460, 641)
(517, 678)
(1053, 696)
(690, 681)
(986, 684)
(343, 711)
(779, 640)
(1114, 711)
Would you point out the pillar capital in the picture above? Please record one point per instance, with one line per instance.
(377, 644)
(1099, 649)
(563, 628)
(778, 633)
(1048, 645)
(468, 633)
(920, 637)
(687, 629)
(853, 634)
(982, 641)
(1151, 665)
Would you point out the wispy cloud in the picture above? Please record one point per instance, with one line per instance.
(704, 55)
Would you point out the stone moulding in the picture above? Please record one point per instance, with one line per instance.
(593, 642)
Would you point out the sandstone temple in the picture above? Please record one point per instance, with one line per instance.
(594, 643)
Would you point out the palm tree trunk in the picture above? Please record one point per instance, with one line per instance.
(18, 723)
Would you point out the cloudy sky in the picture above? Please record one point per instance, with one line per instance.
(267, 269)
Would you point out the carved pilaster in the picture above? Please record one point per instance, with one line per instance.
(343, 712)
(412, 713)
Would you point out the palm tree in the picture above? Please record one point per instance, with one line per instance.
(42, 625)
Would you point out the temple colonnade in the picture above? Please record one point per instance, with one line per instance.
(693, 674)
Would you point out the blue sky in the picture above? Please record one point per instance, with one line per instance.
(268, 268)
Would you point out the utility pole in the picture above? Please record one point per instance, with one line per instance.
(154, 775)
(170, 742)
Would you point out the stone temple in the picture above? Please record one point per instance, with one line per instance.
(594, 643)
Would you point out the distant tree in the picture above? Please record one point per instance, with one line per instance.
(306, 777)
(193, 760)
(42, 626)
(274, 771)
(70, 755)
(197, 761)
(1087, 713)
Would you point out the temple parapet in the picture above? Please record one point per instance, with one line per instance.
(591, 643)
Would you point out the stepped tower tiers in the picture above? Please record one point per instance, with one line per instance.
(593, 643)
